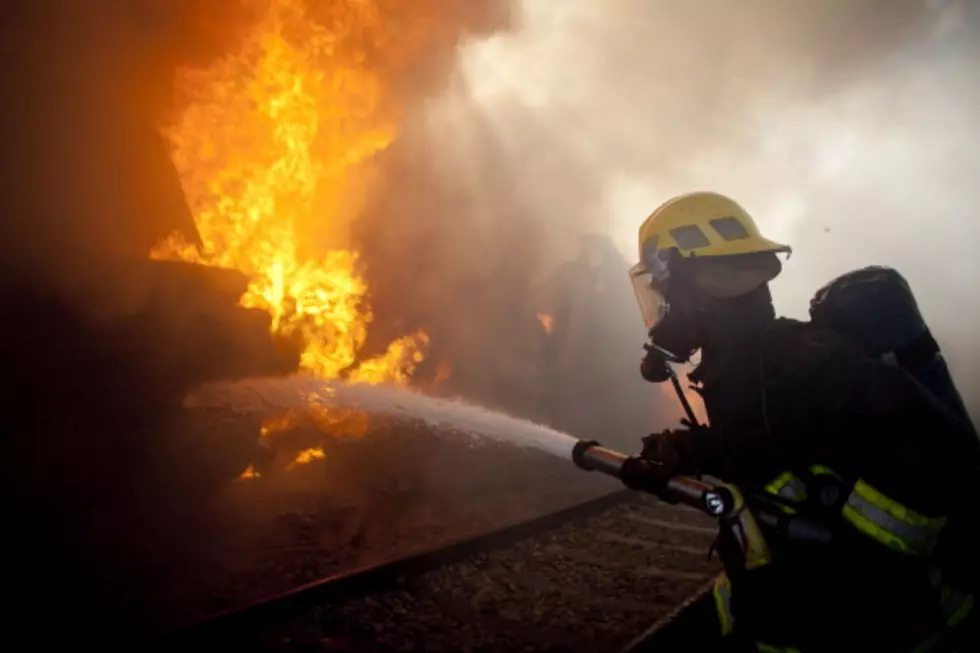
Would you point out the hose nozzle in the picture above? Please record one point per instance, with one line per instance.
(640, 474)
(592, 456)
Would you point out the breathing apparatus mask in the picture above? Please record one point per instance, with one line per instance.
(677, 296)
(697, 251)
(670, 324)
(667, 304)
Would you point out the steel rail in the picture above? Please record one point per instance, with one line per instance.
(237, 622)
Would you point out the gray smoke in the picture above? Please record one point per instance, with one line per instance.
(846, 127)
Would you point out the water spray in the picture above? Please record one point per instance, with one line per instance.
(635, 472)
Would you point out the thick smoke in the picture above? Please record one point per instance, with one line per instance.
(87, 178)
(845, 126)
(88, 188)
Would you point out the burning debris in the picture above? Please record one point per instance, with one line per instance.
(274, 145)
(296, 436)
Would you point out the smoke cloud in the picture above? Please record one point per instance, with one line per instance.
(846, 127)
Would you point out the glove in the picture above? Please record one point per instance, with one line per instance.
(659, 447)
(673, 450)
(649, 476)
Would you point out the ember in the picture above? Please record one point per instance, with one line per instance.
(547, 322)
(307, 455)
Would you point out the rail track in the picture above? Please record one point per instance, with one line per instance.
(586, 578)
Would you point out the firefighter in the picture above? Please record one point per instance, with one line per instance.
(800, 415)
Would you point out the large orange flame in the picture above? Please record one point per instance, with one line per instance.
(275, 152)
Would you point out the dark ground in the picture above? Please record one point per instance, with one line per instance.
(591, 585)
(396, 490)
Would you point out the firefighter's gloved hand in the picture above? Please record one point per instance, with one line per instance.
(674, 450)
(657, 477)
(658, 447)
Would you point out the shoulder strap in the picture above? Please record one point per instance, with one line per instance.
(766, 342)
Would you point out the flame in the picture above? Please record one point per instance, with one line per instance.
(274, 151)
(249, 473)
(298, 434)
(279, 424)
(335, 421)
(547, 322)
(308, 455)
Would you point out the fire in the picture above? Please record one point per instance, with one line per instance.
(275, 149)
(547, 322)
(296, 437)
(318, 417)
(309, 455)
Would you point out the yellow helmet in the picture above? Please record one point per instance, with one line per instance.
(701, 224)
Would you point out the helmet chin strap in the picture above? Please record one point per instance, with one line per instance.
(670, 357)
(692, 420)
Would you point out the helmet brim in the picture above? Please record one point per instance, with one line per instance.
(756, 245)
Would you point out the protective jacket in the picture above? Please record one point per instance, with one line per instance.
(797, 412)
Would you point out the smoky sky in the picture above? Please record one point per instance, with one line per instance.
(846, 127)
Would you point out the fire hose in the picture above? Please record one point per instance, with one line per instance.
(717, 501)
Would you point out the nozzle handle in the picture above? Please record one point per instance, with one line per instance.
(640, 474)
(715, 501)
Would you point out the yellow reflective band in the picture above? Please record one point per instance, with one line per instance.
(790, 487)
(889, 522)
(820, 470)
(722, 592)
(787, 486)
(956, 605)
(744, 528)
(875, 532)
(896, 510)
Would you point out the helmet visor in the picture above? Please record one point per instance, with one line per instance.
(649, 295)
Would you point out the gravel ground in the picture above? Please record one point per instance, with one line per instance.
(394, 491)
(590, 585)
(390, 487)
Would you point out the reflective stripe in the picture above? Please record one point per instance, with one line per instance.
(722, 592)
(741, 524)
(790, 487)
(820, 470)
(891, 523)
(956, 605)
(787, 486)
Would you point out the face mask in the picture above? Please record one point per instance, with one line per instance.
(678, 333)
